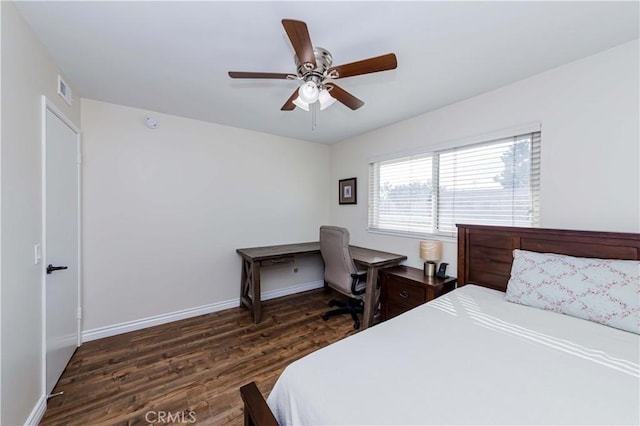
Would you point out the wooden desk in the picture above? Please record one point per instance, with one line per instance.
(256, 257)
(373, 260)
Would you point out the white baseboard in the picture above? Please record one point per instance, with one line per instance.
(37, 412)
(274, 294)
(125, 327)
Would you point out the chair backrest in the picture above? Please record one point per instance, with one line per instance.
(338, 265)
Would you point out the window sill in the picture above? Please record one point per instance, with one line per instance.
(440, 237)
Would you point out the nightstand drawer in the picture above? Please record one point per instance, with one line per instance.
(404, 288)
(405, 295)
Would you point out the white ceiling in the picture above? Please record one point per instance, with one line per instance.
(173, 57)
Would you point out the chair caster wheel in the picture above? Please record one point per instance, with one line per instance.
(325, 317)
(356, 325)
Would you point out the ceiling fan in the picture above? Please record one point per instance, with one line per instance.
(316, 73)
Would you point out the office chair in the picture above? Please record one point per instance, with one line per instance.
(340, 273)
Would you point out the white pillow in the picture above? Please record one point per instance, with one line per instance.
(606, 291)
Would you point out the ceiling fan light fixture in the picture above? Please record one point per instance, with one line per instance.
(309, 92)
(326, 100)
(301, 104)
(314, 67)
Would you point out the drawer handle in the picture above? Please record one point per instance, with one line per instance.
(404, 294)
(279, 260)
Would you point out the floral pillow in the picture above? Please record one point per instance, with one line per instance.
(606, 291)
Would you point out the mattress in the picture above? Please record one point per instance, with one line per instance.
(468, 357)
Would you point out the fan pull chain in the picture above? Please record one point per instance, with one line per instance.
(314, 109)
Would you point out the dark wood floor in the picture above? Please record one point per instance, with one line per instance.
(191, 368)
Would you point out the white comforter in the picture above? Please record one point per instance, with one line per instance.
(468, 357)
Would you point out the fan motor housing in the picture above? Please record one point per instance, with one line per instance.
(323, 63)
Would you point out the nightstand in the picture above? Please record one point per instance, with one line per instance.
(404, 288)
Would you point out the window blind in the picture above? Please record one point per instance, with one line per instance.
(490, 183)
(402, 194)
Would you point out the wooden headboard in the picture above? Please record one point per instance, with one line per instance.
(485, 253)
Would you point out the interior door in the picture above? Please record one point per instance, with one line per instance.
(61, 242)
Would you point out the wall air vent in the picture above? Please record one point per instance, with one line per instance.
(64, 90)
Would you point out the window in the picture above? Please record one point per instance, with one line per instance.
(490, 183)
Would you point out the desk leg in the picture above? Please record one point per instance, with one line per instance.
(250, 289)
(256, 296)
(245, 283)
(372, 296)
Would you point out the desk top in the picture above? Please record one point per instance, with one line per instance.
(270, 252)
(370, 257)
(365, 256)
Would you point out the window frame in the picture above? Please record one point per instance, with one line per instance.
(435, 152)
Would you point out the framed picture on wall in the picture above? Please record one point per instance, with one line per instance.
(347, 191)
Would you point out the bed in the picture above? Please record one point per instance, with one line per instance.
(472, 357)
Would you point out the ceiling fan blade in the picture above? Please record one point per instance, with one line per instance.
(289, 105)
(344, 97)
(300, 40)
(274, 75)
(366, 66)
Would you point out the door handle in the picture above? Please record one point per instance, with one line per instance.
(52, 268)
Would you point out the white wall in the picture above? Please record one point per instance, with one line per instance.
(165, 210)
(589, 111)
(27, 73)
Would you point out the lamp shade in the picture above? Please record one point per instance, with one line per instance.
(326, 100)
(301, 104)
(431, 250)
(308, 92)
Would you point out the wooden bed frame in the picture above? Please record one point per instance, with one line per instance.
(485, 254)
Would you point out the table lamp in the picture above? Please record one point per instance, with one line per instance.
(431, 253)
